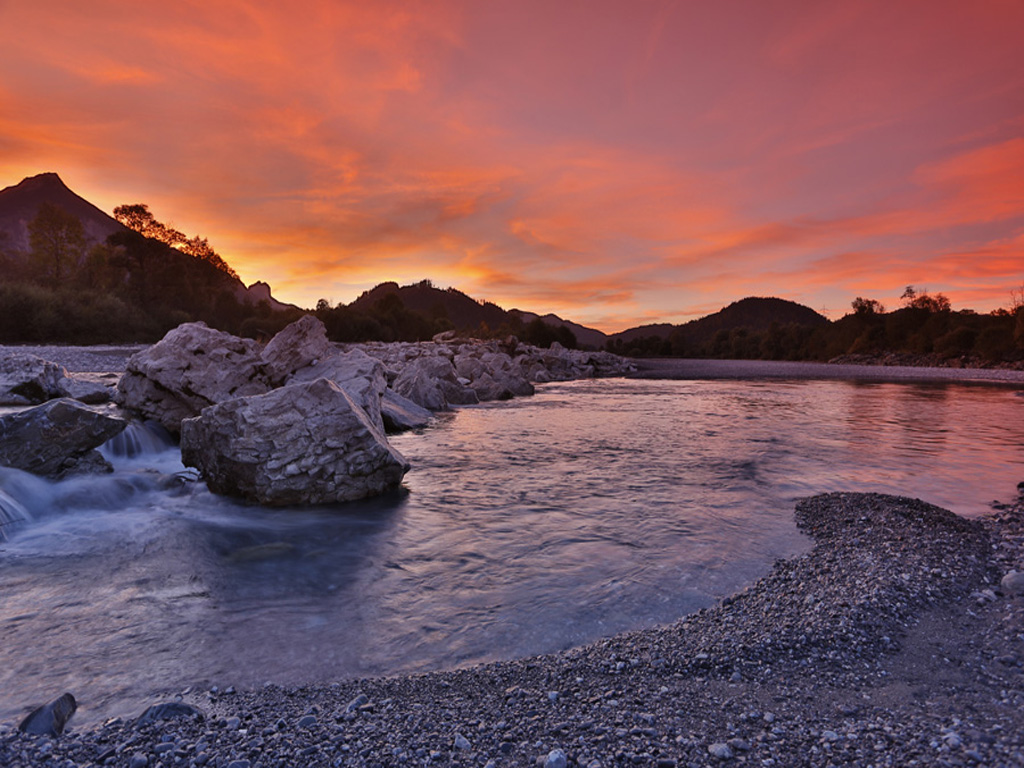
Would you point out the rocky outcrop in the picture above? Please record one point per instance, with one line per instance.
(56, 438)
(306, 443)
(361, 376)
(192, 367)
(299, 345)
(432, 382)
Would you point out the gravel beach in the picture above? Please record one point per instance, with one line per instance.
(892, 642)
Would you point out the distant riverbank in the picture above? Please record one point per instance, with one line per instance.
(679, 368)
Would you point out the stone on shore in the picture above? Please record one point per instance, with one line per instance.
(50, 719)
(57, 438)
(1013, 583)
(305, 443)
(27, 380)
(192, 367)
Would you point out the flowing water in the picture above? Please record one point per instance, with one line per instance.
(523, 527)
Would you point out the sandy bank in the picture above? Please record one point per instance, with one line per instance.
(889, 643)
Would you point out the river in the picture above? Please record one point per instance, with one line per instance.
(523, 528)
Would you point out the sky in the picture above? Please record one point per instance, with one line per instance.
(616, 162)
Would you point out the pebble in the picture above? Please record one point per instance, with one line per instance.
(556, 759)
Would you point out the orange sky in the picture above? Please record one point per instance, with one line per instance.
(613, 162)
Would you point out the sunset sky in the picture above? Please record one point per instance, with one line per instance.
(616, 163)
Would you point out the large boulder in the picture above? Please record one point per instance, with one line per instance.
(305, 443)
(192, 367)
(361, 376)
(57, 438)
(301, 344)
(27, 379)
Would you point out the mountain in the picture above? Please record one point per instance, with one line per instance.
(585, 337)
(468, 314)
(752, 313)
(20, 203)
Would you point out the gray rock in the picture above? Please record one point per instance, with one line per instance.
(85, 390)
(431, 382)
(27, 379)
(50, 719)
(720, 750)
(1013, 583)
(556, 759)
(400, 414)
(57, 438)
(461, 742)
(298, 346)
(307, 721)
(169, 711)
(192, 367)
(360, 375)
(300, 444)
(139, 760)
(357, 702)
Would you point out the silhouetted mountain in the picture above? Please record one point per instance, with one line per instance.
(655, 330)
(464, 313)
(750, 313)
(586, 337)
(20, 204)
(468, 315)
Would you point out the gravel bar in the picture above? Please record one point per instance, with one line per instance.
(891, 643)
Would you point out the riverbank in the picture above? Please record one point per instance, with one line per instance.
(889, 643)
(680, 368)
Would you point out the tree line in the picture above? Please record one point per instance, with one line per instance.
(135, 286)
(924, 326)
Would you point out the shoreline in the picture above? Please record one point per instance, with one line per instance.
(889, 642)
(687, 368)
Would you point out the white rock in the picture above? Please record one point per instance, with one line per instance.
(192, 367)
(305, 443)
(297, 346)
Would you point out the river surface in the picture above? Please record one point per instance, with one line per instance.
(522, 528)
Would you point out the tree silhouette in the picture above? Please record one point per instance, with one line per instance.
(56, 242)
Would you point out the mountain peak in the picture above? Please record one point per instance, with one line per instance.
(41, 182)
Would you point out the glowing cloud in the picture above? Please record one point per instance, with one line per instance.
(615, 162)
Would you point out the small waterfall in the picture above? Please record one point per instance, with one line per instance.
(140, 438)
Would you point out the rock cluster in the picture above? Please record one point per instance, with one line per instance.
(896, 646)
(26, 379)
(302, 420)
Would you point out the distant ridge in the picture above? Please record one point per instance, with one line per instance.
(753, 313)
(20, 203)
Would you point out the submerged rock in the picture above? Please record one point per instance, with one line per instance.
(50, 719)
(303, 443)
(57, 438)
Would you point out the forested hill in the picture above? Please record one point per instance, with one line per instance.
(71, 273)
